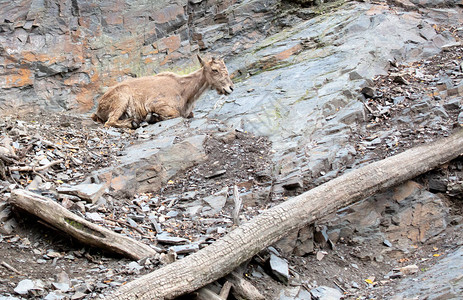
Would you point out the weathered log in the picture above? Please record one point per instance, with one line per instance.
(81, 229)
(225, 290)
(223, 256)
(243, 289)
(237, 201)
(206, 294)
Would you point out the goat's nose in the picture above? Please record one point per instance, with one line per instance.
(231, 87)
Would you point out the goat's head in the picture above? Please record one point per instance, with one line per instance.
(217, 75)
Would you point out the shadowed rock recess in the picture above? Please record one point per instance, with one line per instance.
(321, 88)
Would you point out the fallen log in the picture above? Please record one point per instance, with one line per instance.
(81, 229)
(223, 256)
(243, 289)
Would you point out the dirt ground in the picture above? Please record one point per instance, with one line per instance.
(34, 250)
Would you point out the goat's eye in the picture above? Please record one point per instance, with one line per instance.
(215, 71)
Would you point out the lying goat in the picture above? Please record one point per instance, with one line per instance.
(160, 97)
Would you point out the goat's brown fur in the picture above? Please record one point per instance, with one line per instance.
(160, 97)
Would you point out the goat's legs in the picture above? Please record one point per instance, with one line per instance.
(160, 112)
(123, 101)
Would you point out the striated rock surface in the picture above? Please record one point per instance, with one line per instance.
(64, 54)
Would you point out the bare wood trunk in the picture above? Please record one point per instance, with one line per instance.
(223, 256)
(81, 229)
(243, 289)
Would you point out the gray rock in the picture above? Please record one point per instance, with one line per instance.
(78, 296)
(321, 235)
(460, 118)
(442, 281)
(437, 183)
(24, 286)
(5, 211)
(63, 287)
(94, 216)
(325, 293)
(183, 249)
(353, 113)
(396, 215)
(54, 296)
(398, 100)
(144, 167)
(165, 238)
(453, 103)
(158, 128)
(369, 92)
(287, 243)
(292, 182)
(410, 269)
(280, 268)
(134, 267)
(90, 192)
(295, 293)
(215, 202)
(421, 106)
(194, 210)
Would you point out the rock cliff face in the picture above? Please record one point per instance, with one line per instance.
(63, 54)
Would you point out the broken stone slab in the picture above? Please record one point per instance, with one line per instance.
(453, 103)
(143, 169)
(321, 235)
(295, 293)
(215, 174)
(287, 244)
(194, 209)
(410, 269)
(94, 216)
(368, 92)
(293, 183)
(134, 267)
(165, 238)
(158, 128)
(61, 286)
(5, 211)
(280, 268)
(78, 295)
(184, 249)
(8, 226)
(25, 286)
(215, 202)
(90, 192)
(325, 293)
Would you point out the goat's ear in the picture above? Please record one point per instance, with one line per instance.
(200, 60)
(213, 58)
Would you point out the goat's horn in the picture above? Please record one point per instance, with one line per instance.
(200, 60)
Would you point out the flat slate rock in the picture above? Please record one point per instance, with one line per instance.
(171, 240)
(279, 268)
(325, 293)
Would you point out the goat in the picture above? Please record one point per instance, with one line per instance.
(162, 96)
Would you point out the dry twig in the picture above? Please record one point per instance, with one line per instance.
(35, 169)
